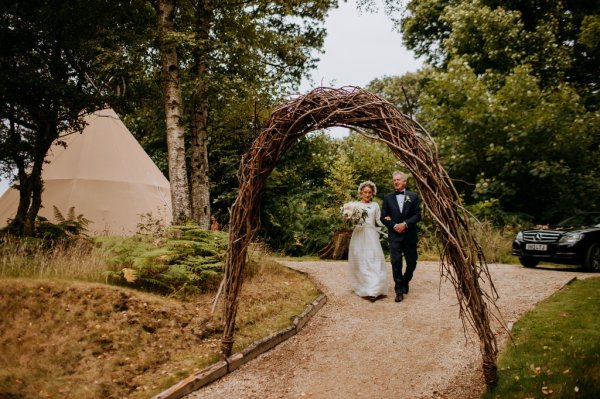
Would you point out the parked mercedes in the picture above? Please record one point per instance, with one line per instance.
(574, 241)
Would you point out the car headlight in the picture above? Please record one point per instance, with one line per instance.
(519, 236)
(570, 238)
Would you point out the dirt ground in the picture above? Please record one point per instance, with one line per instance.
(414, 349)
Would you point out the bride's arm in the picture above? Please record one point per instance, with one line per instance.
(378, 216)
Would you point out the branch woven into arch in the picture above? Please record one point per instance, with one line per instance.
(462, 260)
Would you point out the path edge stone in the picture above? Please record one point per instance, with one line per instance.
(235, 361)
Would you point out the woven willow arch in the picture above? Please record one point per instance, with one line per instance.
(462, 261)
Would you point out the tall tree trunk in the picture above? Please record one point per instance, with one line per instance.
(30, 201)
(37, 186)
(199, 165)
(17, 224)
(180, 197)
(31, 184)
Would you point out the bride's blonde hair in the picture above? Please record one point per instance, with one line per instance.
(367, 183)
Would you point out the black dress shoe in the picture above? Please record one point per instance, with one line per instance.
(399, 297)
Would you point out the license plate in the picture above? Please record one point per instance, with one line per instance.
(536, 247)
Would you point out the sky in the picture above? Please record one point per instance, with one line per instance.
(359, 47)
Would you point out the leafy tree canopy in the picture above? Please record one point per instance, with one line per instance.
(522, 144)
(557, 39)
(53, 68)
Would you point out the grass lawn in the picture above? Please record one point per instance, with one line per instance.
(556, 350)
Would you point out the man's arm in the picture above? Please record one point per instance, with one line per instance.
(416, 215)
(385, 215)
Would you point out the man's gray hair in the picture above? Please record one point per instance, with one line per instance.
(402, 175)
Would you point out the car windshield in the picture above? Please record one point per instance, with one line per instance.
(581, 220)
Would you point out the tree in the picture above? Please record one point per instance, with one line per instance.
(52, 74)
(511, 99)
(370, 160)
(252, 50)
(496, 35)
(233, 58)
(341, 180)
(535, 150)
(402, 91)
(173, 105)
(299, 207)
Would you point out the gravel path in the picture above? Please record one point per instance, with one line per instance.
(414, 349)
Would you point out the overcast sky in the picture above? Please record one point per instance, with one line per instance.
(359, 48)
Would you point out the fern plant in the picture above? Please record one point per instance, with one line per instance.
(72, 226)
(187, 259)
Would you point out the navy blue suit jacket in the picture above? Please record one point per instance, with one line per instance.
(411, 214)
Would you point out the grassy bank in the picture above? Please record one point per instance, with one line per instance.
(64, 332)
(556, 351)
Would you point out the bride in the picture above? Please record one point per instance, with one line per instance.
(366, 263)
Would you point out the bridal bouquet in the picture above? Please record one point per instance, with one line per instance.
(353, 215)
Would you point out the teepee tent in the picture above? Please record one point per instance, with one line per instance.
(105, 174)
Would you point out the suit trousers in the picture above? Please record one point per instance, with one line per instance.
(398, 249)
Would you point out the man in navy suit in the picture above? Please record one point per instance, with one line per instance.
(400, 213)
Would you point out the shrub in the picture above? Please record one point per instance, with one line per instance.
(495, 240)
(65, 227)
(301, 223)
(186, 260)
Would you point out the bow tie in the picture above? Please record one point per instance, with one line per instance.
(400, 192)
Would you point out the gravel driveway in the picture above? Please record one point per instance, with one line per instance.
(354, 348)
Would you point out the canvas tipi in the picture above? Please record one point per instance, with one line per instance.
(105, 174)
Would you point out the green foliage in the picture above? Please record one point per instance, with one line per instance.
(402, 91)
(511, 100)
(552, 37)
(423, 29)
(371, 160)
(187, 260)
(66, 230)
(303, 196)
(341, 180)
(239, 57)
(300, 207)
(57, 64)
(72, 224)
(490, 211)
(493, 229)
(519, 143)
(300, 223)
(556, 350)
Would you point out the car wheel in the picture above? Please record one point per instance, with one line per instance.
(529, 262)
(592, 258)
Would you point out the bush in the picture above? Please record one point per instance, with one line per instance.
(186, 260)
(494, 239)
(72, 226)
(301, 223)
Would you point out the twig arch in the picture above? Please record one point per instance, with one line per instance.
(462, 261)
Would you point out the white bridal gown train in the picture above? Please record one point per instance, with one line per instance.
(367, 269)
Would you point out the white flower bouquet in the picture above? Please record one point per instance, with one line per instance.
(353, 215)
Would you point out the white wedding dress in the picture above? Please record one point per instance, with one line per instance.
(367, 269)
